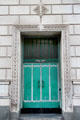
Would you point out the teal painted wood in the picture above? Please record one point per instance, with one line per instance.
(37, 79)
(40, 61)
(54, 83)
(36, 83)
(27, 83)
(41, 105)
(45, 83)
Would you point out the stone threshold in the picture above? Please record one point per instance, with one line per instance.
(41, 117)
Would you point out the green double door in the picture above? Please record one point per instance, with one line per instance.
(41, 85)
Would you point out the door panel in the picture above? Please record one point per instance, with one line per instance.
(54, 82)
(27, 83)
(36, 83)
(45, 83)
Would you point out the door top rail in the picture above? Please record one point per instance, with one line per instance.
(40, 65)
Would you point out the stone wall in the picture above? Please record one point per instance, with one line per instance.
(25, 12)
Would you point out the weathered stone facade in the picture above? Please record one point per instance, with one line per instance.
(18, 16)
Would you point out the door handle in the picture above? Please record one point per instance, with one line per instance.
(39, 83)
(59, 89)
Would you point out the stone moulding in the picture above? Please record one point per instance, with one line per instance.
(65, 64)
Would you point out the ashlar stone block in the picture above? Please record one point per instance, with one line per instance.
(76, 8)
(9, 74)
(3, 51)
(9, 20)
(72, 51)
(71, 19)
(25, 20)
(29, 1)
(78, 74)
(74, 40)
(3, 30)
(9, 51)
(77, 29)
(3, 90)
(70, 1)
(77, 50)
(62, 9)
(19, 10)
(76, 90)
(76, 101)
(51, 1)
(5, 62)
(71, 29)
(9, 2)
(4, 102)
(75, 62)
(3, 10)
(2, 74)
(73, 74)
(52, 19)
(5, 40)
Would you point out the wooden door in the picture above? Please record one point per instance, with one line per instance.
(41, 85)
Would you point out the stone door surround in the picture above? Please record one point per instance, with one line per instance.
(16, 63)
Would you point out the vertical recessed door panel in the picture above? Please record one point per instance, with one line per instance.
(45, 83)
(36, 83)
(27, 83)
(54, 82)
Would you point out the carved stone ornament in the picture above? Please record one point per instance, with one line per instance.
(41, 9)
(16, 64)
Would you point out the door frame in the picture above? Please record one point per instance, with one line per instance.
(66, 83)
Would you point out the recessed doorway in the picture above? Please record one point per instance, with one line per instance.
(41, 74)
